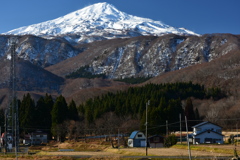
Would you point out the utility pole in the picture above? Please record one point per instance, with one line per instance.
(11, 112)
(118, 140)
(166, 127)
(189, 150)
(237, 132)
(148, 103)
(180, 118)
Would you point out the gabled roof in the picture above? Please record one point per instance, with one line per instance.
(203, 123)
(156, 135)
(133, 134)
(209, 131)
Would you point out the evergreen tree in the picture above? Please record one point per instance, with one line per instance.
(197, 116)
(48, 102)
(59, 115)
(43, 109)
(189, 113)
(72, 111)
(27, 114)
(48, 117)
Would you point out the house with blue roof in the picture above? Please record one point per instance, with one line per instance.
(207, 132)
(137, 139)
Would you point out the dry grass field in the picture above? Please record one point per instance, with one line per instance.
(103, 150)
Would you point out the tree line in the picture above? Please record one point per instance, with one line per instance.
(103, 114)
(165, 104)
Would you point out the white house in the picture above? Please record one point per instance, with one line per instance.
(207, 132)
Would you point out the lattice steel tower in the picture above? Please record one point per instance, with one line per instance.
(11, 112)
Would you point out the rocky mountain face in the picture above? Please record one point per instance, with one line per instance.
(147, 56)
(144, 56)
(39, 51)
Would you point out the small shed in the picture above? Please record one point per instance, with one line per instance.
(39, 137)
(137, 139)
(156, 141)
(35, 138)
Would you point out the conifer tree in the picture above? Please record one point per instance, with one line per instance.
(72, 111)
(197, 116)
(48, 102)
(27, 114)
(59, 115)
(41, 112)
(48, 117)
(189, 112)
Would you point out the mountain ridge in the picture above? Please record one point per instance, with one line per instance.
(147, 56)
(102, 20)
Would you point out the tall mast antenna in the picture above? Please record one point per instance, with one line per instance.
(11, 112)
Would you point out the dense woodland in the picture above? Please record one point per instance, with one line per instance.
(84, 72)
(124, 110)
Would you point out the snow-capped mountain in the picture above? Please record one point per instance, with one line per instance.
(99, 21)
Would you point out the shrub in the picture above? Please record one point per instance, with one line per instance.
(170, 140)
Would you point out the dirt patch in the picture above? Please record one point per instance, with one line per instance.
(173, 152)
(65, 145)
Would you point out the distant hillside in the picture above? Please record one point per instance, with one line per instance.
(224, 73)
(147, 56)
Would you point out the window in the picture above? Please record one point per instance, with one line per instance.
(139, 135)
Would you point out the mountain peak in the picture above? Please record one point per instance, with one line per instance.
(101, 20)
(98, 10)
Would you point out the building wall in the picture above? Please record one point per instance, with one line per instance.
(156, 145)
(38, 139)
(130, 142)
(210, 137)
(136, 143)
(139, 143)
(206, 127)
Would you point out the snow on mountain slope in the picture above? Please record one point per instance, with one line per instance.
(102, 20)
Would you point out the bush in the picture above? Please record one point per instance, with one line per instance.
(170, 140)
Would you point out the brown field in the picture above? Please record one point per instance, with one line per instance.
(105, 151)
(173, 152)
(201, 150)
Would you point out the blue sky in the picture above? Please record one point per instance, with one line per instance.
(200, 16)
